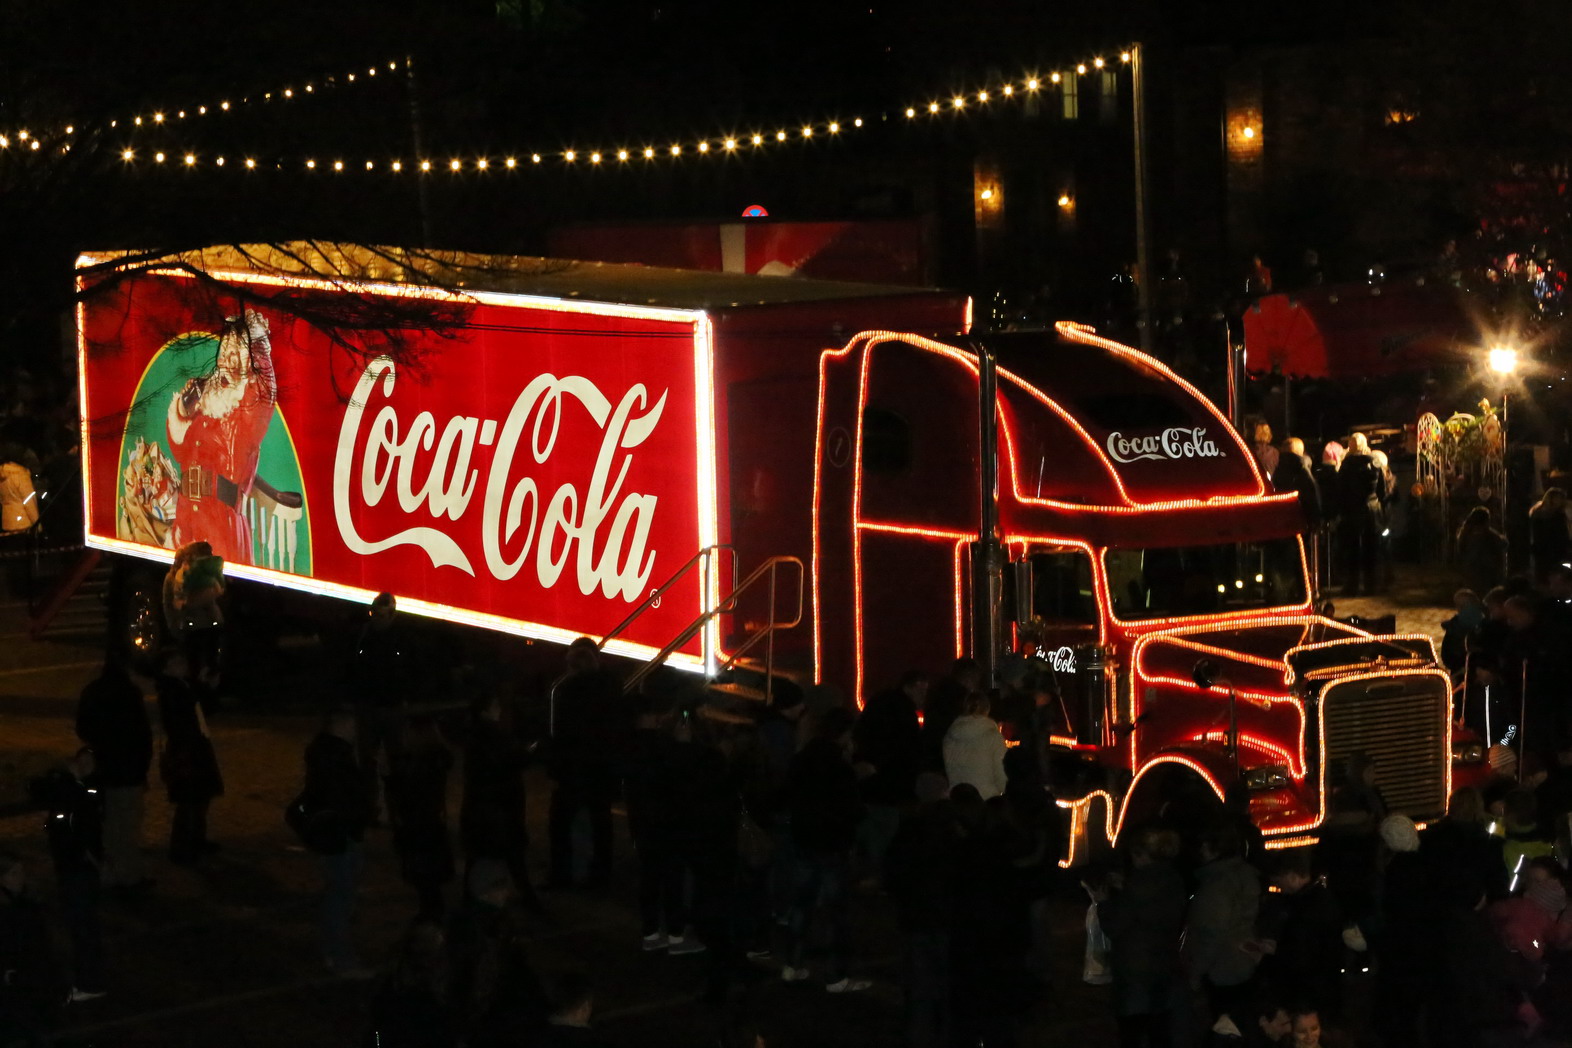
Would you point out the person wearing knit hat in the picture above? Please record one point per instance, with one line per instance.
(1399, 833)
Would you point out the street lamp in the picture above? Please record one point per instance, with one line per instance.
(1503, 360)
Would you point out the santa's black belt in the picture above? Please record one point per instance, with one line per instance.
(199, 483)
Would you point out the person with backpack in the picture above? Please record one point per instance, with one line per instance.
(337, 806)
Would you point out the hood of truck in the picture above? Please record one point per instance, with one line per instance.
(1378, 695)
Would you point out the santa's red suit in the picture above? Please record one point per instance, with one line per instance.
(216, 425)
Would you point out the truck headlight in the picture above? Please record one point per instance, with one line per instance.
(1266, 777)
(1468, 751)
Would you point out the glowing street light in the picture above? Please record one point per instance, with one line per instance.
(1503, 360)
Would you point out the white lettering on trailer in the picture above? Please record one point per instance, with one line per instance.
(617, 563)
(1174, 443)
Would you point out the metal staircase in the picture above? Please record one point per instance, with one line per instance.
(766, 579)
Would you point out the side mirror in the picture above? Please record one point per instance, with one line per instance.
(1204, 673)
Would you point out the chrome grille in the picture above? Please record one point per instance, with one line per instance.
(1401, 723)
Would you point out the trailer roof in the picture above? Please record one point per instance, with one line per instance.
(612, 283)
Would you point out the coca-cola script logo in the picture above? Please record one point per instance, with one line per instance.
(1177, 442)
(601, 529)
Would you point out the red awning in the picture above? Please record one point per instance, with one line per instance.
(1360, 330)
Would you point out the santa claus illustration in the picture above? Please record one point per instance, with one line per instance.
(216, 424)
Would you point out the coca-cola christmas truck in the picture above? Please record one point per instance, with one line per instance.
(667, 461)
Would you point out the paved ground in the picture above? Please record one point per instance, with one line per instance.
(227, 954)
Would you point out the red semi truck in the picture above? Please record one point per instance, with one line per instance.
(705, 469)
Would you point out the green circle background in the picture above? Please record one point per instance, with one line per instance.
(190, 356)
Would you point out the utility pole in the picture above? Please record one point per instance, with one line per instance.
(987, 558)
(1143, 240)
(418, 141)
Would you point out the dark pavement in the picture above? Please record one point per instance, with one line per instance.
(227, 953)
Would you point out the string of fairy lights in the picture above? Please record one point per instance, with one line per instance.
(169, 117)
(726, 144)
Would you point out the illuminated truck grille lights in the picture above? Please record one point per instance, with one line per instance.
(1401, 723)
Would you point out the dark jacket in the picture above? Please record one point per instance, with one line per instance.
(888, 737)
(188, 766)
(821, 794)
(1361, 489)
(1221, 919)
(417, 792)
(75, 824)
(111, 718)
(491, 815)
(592, 725)
(493, 990)
(1144, 922)
(381, 668)
(1293, 474)
(1308, 928)
(335, 784)
(1463, 860)
(1549, 539)
(920, 868)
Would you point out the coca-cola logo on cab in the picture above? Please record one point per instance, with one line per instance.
(597, 526)
(1176, 442)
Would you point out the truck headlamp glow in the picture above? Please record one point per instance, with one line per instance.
(1465, 751)
(1267, 777)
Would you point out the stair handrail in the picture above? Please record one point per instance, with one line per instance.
(769, 568)
(655, 596)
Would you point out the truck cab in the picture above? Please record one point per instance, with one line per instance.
(1136, 551)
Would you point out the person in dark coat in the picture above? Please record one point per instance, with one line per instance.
(652, 769)
(1460, 854)
(1142, 913)
(888, 740)
(111, 717)
(417, 794)
(920, 868)
(1477, 998)
(336, 787)
(1294, 473)
(1361, 505)
(1548, 537)
(825, 808)
(75, 827)
(188, 766)
(380, 676)
(590, 729)
(30, 990)
(1303, 920)
(496, 997)
(491, 817)
(1481, 552)
(946, 701)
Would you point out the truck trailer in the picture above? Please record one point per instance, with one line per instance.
(833, 482)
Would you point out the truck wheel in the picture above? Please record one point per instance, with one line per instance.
(1171, 789)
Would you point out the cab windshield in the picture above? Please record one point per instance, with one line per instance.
(1174, 581)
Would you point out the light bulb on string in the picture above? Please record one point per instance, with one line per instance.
(125, 154)
(311, 165)
(731, 143)
(807, 132)
(835, 128)
(138, 124)
(398, 165)
(857, 122)
(338, 165)
(1081, 68)
(219, 161)
(5, 143)
(933, 107)
(1098, 62)
(780, 136)
(1055, 78)
(758, 140)
(158, 118)
(622, 154)
(251, 164)
(288, 93)
(370, 165)
(958, 102)
(982, 96)
(704, 147)
(33, 144)
(649, 153)
(570, 156)
(594, 158)
(352, 78)
(308, 89)
(158, 158)
(910, 112)
(482, 164)
(676, 150)
(425, 165)
(190, 159)
(534, 158)
(224, 106)
(512, 162)
(201, 111)
(455, 164)
(1009, 89)
(1124, 56)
